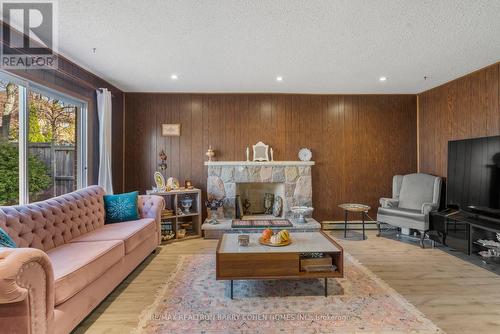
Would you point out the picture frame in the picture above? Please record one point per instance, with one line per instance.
(170, 130)
(260, 152)
(160, 181)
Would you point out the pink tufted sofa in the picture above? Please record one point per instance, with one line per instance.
(68, 260)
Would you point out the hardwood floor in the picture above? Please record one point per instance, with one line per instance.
(458, 296)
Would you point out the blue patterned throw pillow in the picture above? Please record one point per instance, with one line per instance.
(121, 208)
(6, 240)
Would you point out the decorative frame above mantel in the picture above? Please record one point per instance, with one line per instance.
(260, 152)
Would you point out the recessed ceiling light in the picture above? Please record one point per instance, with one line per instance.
(382, 79)
(279, 78)
(174, 77)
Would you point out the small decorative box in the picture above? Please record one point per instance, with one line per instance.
(243, 239)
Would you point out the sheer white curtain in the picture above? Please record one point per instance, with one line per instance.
(104, 112)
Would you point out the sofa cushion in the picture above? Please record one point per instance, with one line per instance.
(402, 213)
(416, 189)
(78, 264)
(404, 218)
(122, 207)
(132, 233)
(6, 240)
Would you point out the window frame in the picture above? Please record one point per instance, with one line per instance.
(25, 86)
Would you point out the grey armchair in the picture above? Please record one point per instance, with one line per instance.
(413, 197)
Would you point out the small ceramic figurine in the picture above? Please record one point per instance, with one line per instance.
(210, 153)
(248, 153)
(246, 207)
(277, 206)
(268, 203)
(272, 153)
(173, 183)
(163, 160)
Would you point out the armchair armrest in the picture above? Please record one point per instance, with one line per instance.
(26, 289)
(428, 207)
(389, 202)
(151, 206)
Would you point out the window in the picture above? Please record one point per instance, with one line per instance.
(42, 143)
(9, 142)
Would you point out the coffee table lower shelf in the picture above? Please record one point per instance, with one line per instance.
(261, 263)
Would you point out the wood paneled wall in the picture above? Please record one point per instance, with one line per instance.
(467, 107)
(358, 142)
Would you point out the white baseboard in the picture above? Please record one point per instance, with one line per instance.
(339, 225)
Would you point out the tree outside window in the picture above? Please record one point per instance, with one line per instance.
(52, 153)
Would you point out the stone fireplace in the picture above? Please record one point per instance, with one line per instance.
(255, 192)
(291, 180)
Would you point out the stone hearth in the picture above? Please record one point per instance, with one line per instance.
(216, 231)
(223, 177)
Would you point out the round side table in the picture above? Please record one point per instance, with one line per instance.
(354, 207)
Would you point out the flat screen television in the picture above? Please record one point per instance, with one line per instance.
(473, 182)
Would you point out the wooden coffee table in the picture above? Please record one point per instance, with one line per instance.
(256, 261)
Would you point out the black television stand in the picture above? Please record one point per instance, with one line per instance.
(460, 230)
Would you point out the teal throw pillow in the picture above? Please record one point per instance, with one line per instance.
(121, 208)
(6, 240)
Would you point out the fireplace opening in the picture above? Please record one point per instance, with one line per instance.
(257, 200)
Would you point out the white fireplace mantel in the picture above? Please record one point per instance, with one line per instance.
(259, 163)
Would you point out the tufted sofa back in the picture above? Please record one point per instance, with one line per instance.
(51, 223)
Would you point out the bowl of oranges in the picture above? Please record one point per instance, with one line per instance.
(279, 239)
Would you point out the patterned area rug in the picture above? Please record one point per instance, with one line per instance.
(192, 301)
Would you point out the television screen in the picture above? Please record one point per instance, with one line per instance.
(473, 182)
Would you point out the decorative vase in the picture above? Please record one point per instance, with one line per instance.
(214, 215)
(268, 203)
(302, 212)
(213, 206)
(246, 207)
(186, 203)
(210, 153)
(277, 206)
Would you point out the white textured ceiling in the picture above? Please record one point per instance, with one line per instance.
(317, 46)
